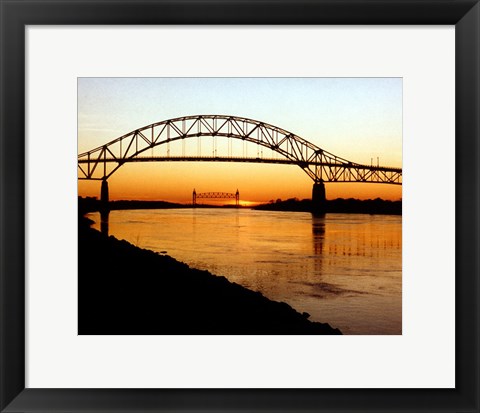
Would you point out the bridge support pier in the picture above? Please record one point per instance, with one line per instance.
(104, 195)
(104, 208)
(318, 198)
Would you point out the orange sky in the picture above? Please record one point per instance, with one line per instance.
(357, 119)
(174, 182)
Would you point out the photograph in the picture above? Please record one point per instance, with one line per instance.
(240, 206)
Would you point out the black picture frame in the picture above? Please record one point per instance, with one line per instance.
(16, 14)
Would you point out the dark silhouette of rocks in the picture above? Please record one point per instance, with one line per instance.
(124, 289)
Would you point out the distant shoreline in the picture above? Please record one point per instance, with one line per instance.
(339, 205)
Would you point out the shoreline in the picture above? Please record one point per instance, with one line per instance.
(124, 289)
(340, 205)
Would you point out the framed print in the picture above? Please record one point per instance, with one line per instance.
(327, 303)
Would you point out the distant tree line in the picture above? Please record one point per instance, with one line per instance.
(341, 205)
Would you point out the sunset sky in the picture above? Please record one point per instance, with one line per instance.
(355, 118)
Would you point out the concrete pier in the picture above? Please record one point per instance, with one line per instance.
(104, 194)
(104, 208)
(318, 198)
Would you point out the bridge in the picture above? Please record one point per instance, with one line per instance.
(215, 195)
(154, 143)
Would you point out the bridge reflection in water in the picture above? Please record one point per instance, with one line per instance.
(318, 237)
(104, 214)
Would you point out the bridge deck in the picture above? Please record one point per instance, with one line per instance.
(240, 159)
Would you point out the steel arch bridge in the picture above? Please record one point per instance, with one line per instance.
(321, 166)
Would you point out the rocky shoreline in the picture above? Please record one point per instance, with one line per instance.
(123, 289)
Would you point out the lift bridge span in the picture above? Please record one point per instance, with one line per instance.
(285, 148)
(215, 195)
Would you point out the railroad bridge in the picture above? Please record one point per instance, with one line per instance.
(152, 143)
(215, 195)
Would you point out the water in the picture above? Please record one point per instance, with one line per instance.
(344, 269)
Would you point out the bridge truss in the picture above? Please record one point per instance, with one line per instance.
(139, 145)
(216, 195)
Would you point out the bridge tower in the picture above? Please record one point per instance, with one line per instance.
(318, 197)
(194, 197)
(237, 198)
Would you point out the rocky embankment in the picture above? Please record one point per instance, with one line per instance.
(124, 289)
